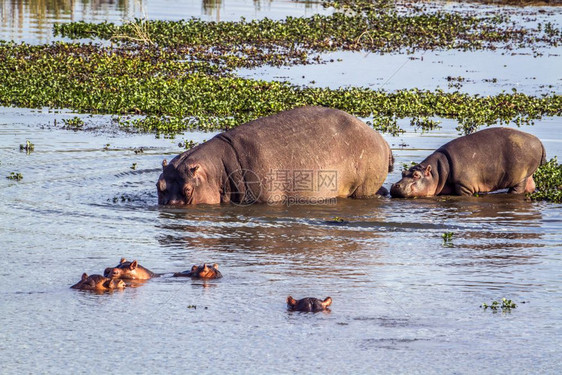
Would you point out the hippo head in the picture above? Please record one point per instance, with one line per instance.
(206, 272)
(417, 181)
(183, 182)
(309, 304)
(129, 271)
(98, 283)
(114, 284)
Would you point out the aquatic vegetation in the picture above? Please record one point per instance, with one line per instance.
(28, 147)
(75, 123)
(447, 237)
(505, 306)
(169, 96)
(358, 27)
(548, 181)
(16, 176)
(134, 166)
(187, 144)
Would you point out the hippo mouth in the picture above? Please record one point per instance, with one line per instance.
(398, 191)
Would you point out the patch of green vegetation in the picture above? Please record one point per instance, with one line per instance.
(187, 144)
(134, 166)
(16, 176)
(505, 306)
(406, 166)
(447, 237)
(171, 96)
(337, 219)
(358, 26)
(548, 181)
(74, 123)
(28, 147)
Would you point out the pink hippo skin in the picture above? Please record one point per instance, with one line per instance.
(129, 271)
(264, 161)
(203, 271)
(486, 161)
(98, 283)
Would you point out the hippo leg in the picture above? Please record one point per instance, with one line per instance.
(462, 190)
(525, 186)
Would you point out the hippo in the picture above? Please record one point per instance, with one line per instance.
(98, 283)
(308, 304)
(129, 271)
(307, 153)
(201, 272)
(488, 160)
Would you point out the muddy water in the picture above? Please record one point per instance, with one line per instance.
(404, 300)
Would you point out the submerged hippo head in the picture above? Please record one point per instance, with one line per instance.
(129, 271)
(201, 272)
(308, 304)
(417, 181)
(98, 283)
(184, 182)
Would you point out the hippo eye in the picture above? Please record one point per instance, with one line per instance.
(417, 174)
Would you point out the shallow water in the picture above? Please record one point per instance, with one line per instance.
(404, 300)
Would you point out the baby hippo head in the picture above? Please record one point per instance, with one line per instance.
(202, 272)
(308, 304)
(129, 271)
(417, 181)
(98, 283)
(184, 182)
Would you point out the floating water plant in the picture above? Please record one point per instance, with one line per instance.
(548, 181)
(28, 147)
(506, 305)
(16, 176)
(134, 166)
(447, 237)
(73, 123)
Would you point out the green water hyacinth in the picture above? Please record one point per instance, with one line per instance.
(548, 181)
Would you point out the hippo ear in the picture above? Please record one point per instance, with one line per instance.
(194, 268)
(427, 170)
(327, 302)
(291, 301)
(133, 265)
(84, 276)
(216, 266)
(164, 163)
(123, 260)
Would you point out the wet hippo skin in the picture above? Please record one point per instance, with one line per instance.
(486, 161)
(306, 152)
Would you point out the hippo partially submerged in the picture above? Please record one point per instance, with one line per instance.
(486, 161)
(201, 272)
(98, 283)
(307, 153)
(129, 271)
(308, 304)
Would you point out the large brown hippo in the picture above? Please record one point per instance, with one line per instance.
(98, 283)
(488, 160)
(307, 153)
(308, 304)
(129, 271)
(201, 272)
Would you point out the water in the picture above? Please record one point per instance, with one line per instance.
(404, 300)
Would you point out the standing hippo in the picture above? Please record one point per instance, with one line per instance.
(129, 271)
(98, 283)
(307, 153)
(308, 304)
(488, 160)
(201, 272)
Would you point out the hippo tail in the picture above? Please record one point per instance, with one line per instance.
(391, 162)
(543, 157)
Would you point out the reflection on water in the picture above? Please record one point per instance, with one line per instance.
(32, 20)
